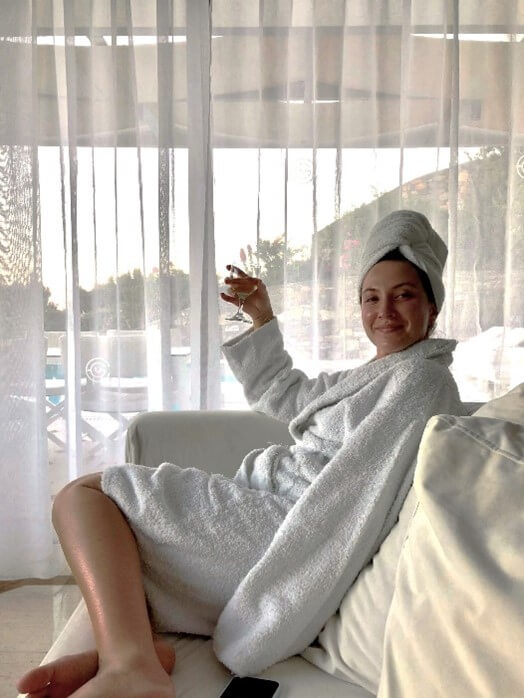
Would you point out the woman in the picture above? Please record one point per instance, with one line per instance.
(261, 561)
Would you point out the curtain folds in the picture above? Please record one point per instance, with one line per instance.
(205, 384)
(145, 145)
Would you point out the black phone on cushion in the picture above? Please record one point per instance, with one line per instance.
(249, 687)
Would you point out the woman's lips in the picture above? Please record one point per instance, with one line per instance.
(388, 329)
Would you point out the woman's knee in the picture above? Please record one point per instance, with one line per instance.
(64, 498)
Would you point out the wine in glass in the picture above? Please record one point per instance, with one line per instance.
(236, 273)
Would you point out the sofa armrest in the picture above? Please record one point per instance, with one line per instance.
(215, 441)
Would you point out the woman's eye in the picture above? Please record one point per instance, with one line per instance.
(370, 299)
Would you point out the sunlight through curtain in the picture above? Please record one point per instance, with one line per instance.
(145, 145)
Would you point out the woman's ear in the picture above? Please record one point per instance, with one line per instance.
(433, 313)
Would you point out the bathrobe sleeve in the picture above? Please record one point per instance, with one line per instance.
(265, 369)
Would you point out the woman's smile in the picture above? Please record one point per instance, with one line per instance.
(389, 328)
(395, 309)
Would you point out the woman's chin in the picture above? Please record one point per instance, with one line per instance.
(393, 346)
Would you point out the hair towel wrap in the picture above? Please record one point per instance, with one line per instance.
(412, 234)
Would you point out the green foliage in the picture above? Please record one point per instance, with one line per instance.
(54, 318)
(275, 263)
(492, 216)
(123, 303)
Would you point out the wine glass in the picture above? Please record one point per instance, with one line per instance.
(237, 273)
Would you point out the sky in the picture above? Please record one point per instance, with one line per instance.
(237, 200)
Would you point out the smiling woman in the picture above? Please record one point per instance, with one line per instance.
(396, 310)
(401, 289)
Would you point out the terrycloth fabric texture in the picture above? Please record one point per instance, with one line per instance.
(412, 234)
(331, 499)
(364, 426)
(350, 644)
(198, 536)
(456, 623)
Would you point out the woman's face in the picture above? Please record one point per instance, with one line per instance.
(395, 309)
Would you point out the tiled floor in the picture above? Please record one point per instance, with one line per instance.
(33, 613)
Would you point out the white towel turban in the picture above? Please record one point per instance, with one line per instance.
(412, 234)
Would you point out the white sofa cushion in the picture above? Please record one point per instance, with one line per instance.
(456, 622)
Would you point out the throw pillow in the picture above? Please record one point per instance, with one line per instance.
(456, 622)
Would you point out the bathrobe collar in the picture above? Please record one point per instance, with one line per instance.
(433, 349)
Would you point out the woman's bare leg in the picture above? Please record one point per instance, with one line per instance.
(102, 553)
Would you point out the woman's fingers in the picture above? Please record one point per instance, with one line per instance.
(242, 280)
(257, 303)
(247, 284)
(236, 270)
(229, 299)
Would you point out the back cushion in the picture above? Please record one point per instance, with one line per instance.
(456, 623)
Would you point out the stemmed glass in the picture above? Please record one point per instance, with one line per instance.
(236, 273)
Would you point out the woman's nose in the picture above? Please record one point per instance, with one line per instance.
(385, 308)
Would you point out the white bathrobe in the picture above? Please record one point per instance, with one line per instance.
(272, 552)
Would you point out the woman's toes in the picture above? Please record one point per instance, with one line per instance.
(34, 680)
(61, 677)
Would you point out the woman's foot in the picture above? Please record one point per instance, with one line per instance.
(65, 675)
(139, 678)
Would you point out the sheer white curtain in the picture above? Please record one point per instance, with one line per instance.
(335, 114)
(146, 145)
(100, 320)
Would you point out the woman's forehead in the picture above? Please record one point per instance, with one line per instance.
(391, 273)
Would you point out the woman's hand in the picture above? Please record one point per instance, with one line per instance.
(257, 305)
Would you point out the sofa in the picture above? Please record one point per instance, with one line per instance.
(454, 613)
